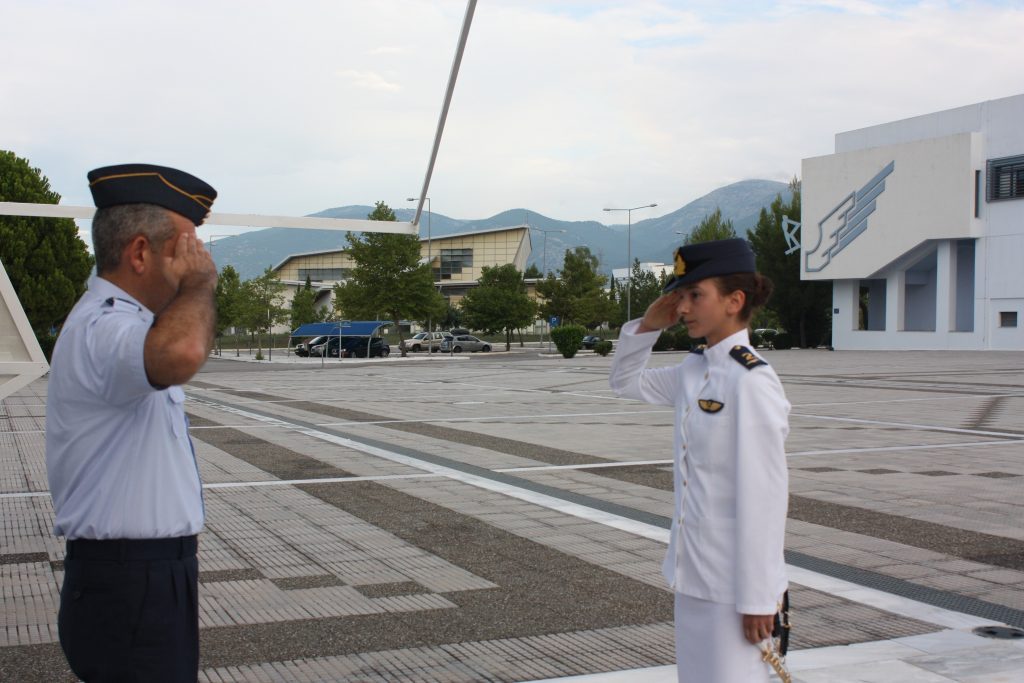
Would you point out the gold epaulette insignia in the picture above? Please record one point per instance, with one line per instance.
(745, 357)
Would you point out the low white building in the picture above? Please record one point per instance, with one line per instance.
(919, 225)
(659, 270)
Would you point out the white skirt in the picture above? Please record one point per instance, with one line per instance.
(710, 647)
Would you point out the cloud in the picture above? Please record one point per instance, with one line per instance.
(369, 80)
(561, 107)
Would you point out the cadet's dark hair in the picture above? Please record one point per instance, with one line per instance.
(114, 227)
(757, 288)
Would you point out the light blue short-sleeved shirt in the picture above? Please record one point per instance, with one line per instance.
(118, 454)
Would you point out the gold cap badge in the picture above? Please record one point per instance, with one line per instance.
(680, 265)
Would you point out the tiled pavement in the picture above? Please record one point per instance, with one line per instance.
(500, 518)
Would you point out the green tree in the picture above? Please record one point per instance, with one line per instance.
(499, 303)
(303, 308)
(645, 287)
(229, 299)
(388, 278)
(382, 212)
(263, 304)
(532, 272)
(47, 262)
(712, 227)
(577, 294)
(803, 307)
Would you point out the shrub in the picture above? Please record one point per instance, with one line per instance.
(568, 339)
(603, 347)
(683, 341)
(756, 339)
(46, 344)
(666, 341)
(782, 341)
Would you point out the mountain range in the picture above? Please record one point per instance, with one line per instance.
(653, 239)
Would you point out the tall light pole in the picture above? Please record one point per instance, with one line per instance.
(629, 252)
(430, 264)
(545, 273)
(210, 240)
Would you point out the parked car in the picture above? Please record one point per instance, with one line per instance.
(590, 340)
(764, 336)
(464, 342)
(426, 340)
(357, 348)
(456, 331)
(351, 347)
(302, 348)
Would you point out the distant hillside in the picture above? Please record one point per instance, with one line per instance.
(653, 239)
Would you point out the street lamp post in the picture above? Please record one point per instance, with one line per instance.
(430, 264)
(545, 257)
(629, 253)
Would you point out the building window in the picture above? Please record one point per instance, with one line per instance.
(919, 294)
(1006, 178)
(871, 305)
(452, 263)
(1008, 319)
(321, 274)
(963, 279)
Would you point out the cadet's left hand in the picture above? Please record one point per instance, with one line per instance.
(757, 627)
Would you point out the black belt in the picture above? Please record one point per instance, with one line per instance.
(131, 549)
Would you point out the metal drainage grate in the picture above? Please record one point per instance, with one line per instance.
(999, 632)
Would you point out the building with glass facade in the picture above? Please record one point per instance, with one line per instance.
(457, 262)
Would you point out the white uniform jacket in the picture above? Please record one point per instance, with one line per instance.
(731, 481)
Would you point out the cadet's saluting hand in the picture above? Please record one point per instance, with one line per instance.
(664, 312)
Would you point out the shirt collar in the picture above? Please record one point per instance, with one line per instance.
(103, 288)
(720, 351)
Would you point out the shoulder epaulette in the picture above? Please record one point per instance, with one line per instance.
(746, 357)
(699, 349)
(119, 304)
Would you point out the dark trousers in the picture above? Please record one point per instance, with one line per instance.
(129, 610)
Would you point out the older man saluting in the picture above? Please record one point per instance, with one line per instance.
(122, 470)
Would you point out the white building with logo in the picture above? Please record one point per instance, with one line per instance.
(919, 225)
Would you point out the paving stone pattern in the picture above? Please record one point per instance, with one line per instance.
(426, 578)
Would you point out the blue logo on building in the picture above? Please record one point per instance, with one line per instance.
(846, 221)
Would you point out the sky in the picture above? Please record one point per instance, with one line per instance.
(562, 107)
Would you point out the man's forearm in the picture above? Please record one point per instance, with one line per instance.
(181, 337)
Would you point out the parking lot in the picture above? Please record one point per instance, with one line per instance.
(502, 517)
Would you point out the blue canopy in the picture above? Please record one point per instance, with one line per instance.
(348, 328)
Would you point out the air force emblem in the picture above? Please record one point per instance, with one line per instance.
(845, 222)
(709, 405)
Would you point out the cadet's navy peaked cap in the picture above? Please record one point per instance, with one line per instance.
(694, 262)
(147, 184)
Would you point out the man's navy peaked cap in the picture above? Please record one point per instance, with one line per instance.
(170, 188)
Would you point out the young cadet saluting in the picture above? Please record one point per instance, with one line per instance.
(725, 558)
(123, 475)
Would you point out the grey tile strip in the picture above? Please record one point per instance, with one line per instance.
(864, 577)
(930, 596)
(22, 558)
